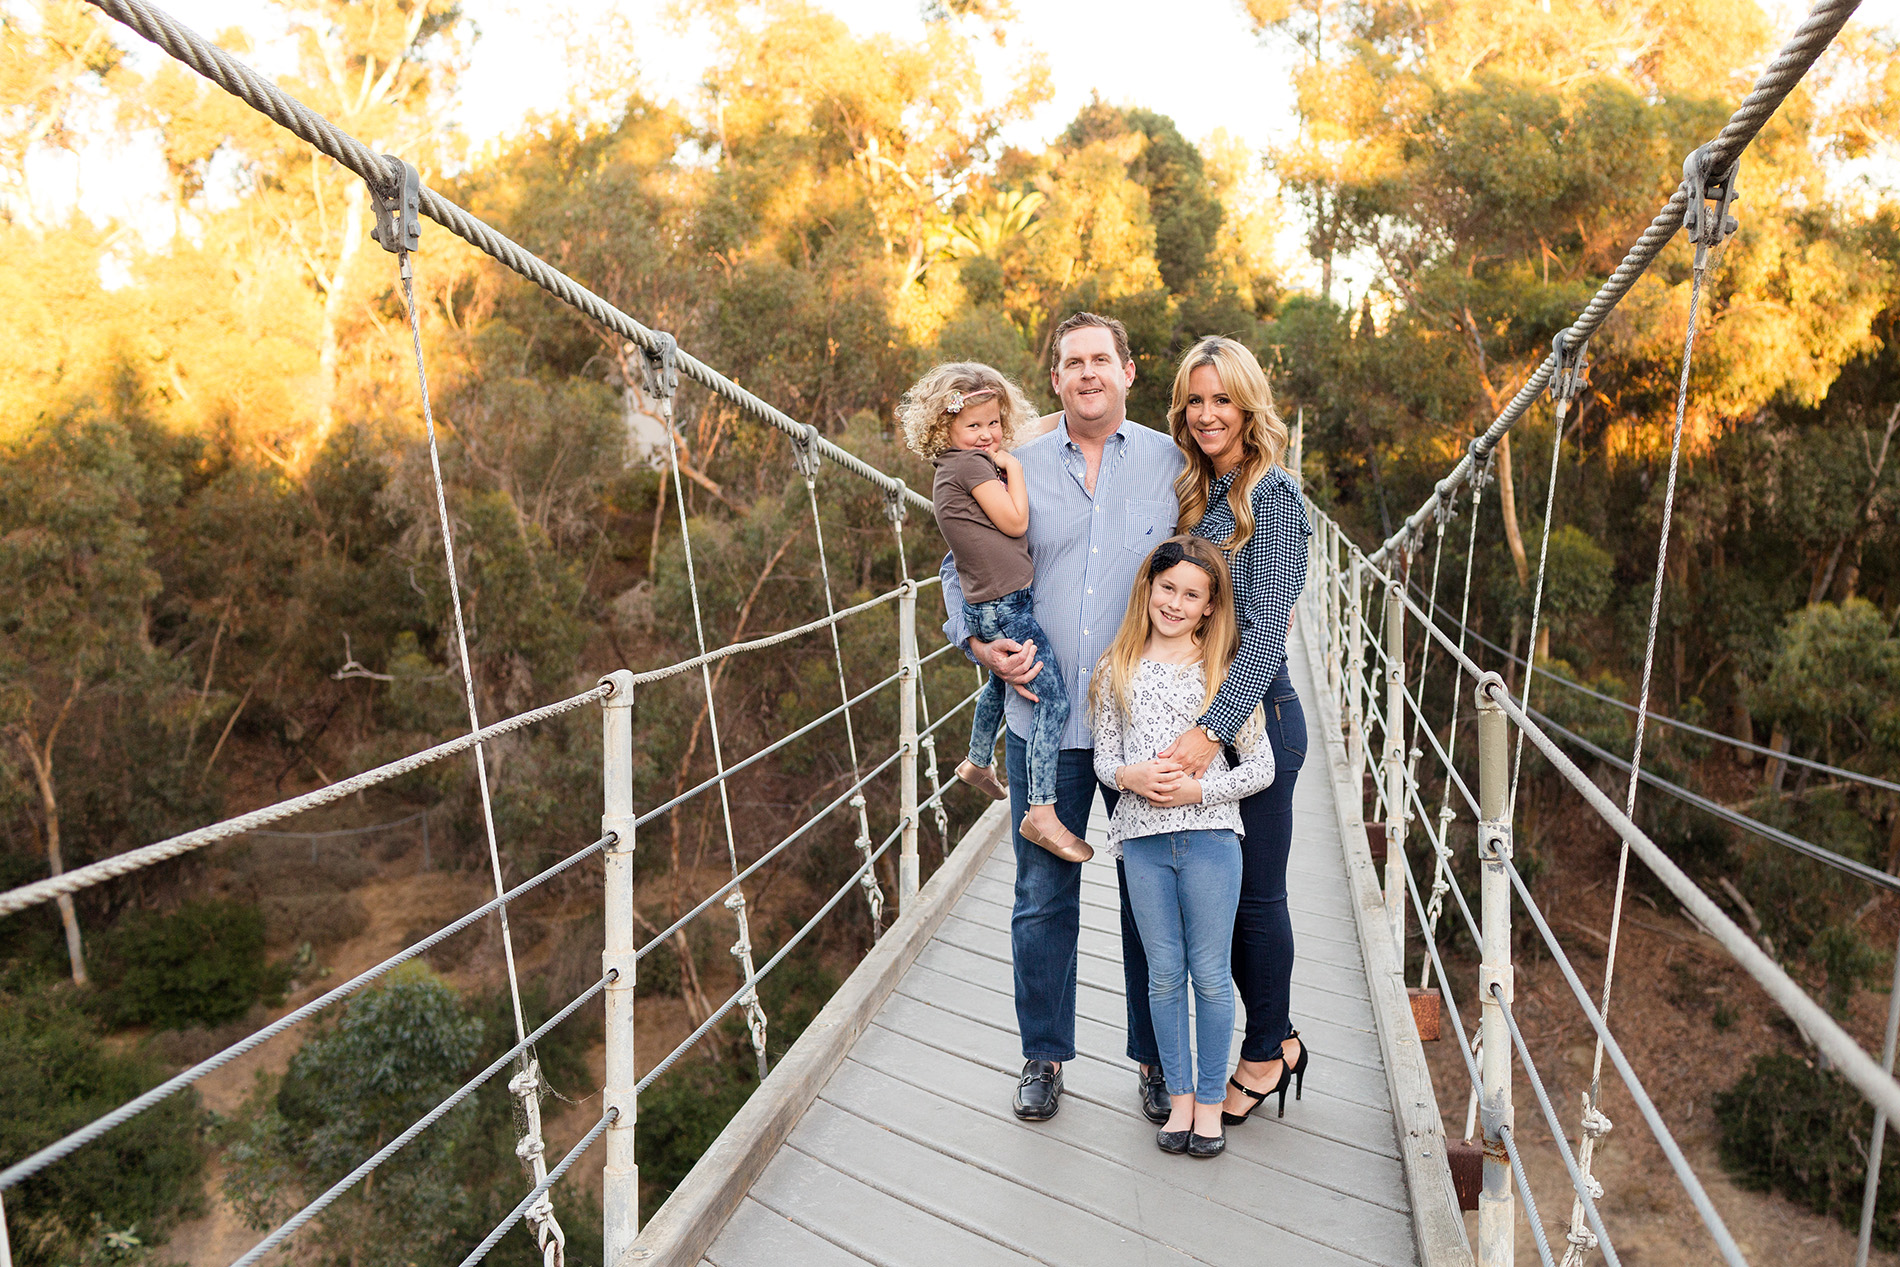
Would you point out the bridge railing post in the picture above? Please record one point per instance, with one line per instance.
(1496, 1203)
(1393, 762)
(908, 669)
(620, 1187)
(1329, 602)
(1355, 678)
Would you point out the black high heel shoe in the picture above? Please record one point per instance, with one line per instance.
(1290, 1072)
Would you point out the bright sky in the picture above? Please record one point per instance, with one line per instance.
(1199, 64)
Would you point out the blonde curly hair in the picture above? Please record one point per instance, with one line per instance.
(927, 409)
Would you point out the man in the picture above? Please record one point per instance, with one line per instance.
(1101, 496)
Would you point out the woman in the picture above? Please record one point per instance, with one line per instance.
(1235, 493)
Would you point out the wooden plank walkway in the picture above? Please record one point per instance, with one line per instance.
(910, 1154)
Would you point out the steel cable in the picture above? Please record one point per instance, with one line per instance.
(132, 860)
(1794, 59)
(260, 94)
(32, 1165)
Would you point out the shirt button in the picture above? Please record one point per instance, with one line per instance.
(1091, 589)
(1085, 633)
(1095, 550)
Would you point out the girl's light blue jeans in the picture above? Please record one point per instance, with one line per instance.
(1184, 888)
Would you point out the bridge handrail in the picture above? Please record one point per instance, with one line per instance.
(27, 895)
(1344, 637)
(1801, 51)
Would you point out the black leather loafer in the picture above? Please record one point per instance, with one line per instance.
(1173, 1141)
(1039, 1093)
(1206, 1145)
(1154, 1096)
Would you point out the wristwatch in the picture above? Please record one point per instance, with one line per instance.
(1213, 736)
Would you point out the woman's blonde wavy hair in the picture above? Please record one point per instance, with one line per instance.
(925, 416)
(1263, 436)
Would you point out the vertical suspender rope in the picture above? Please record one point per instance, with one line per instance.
(1441, 873)
(1708, 224)
(662, 383)
(398, 229)
(1565, 385)
(896, 511)
(805, 453)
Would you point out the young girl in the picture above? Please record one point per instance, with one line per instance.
(1178, 837)
(962, 417)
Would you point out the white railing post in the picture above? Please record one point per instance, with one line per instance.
(1356, 680)
(1394, 765)
(1329, 575)
(1496, 1203)
(909, 669)
(620, 1186)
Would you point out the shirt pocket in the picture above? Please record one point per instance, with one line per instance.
(1148, 523)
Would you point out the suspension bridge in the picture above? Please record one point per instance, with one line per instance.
(882, 1135)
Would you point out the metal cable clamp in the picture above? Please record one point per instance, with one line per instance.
(398, 205)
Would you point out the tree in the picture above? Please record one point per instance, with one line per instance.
(393, 1054)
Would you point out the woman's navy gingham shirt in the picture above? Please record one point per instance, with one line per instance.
(1269, 572)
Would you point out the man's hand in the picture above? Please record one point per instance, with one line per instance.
(1193, 750)
(1156, 781)
(1014, 662)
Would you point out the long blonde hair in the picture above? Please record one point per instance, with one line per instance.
(1263, 436)
(1217, 639)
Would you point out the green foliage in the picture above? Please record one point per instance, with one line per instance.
(1835, 679)
(392, 1055)
(59, 1076)
(1849, 961)
(1800, 1131)
(203, 963)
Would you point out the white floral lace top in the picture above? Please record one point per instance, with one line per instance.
(1163, 701)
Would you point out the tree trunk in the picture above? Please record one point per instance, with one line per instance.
(1777, 768)
(42, 763)
(1507, 504)
(335, 295)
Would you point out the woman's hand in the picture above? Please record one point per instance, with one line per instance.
(1154, 780)
(1193, 751)
(1186, 792)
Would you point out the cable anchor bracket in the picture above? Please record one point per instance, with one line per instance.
(805, 452)
(1706, 219)
(398, 205)
(660, 367)
(1572, 375)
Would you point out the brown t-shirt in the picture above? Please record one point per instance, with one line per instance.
(990, 562)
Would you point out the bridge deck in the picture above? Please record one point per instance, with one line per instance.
(910, 1154)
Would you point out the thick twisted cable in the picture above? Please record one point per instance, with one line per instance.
(461, 637)
(534, 1194)
(1509, 1137)
(134, 859)
(762, 642)
(30, 1166)
(260, 94)
(1802, 50)
(1543, 560)
(1736, 818)
(1821, 767)
(288, 1227)
(1854, 1063)
(1859, 870)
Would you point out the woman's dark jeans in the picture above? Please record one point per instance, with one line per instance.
(1263, 929)
(1013, 616)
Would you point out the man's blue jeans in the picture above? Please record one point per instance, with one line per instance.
(1184, 887)
(1047, 919)
(1013, 616)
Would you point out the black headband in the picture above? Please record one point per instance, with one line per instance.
(1166, 555)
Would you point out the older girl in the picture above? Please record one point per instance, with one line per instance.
(1178, 837)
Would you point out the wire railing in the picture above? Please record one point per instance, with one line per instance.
(1347, 583)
